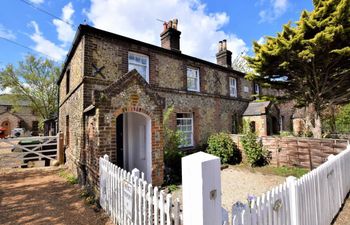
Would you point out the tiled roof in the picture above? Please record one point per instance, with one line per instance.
(256, 108)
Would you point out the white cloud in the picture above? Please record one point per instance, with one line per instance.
(201, 30)
(45, 46)
(261, 40)
(5, 91)
(6, 33)
(65, 30)
(37, 2)
(276, 9)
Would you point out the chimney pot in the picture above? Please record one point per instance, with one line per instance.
(175, 22)
(224, 45)
(224, 56)
(170, 37)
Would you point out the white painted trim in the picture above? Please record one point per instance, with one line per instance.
(235, 86)
(128, 153)
(198, 79)
(140, 55)
(192, 129)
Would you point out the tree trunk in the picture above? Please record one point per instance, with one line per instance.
(317, 129)
(313, 122)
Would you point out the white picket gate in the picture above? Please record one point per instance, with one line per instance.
(130, 200)
(314, 199)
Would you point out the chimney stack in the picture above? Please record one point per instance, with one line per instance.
(170, 37)
(224, 56)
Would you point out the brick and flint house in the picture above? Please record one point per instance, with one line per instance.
(113, 91)
(20, 115)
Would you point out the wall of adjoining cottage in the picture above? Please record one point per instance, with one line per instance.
(73, 107)
(71, 104)
(76, 68)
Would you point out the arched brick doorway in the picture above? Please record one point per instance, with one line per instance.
(6, 124)
(134, 142)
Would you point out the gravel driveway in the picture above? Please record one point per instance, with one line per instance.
(40, 196)
(237, 183)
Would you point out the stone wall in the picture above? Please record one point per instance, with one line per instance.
(300, 152)
(260, 124)
(211, 115)
(76, 68)
(166, 70)
(71, 104)
(73, 108)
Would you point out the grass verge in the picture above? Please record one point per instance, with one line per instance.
(68, 176)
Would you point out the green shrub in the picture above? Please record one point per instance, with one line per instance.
(172, 153)
(285, 133)
(223, 146)
(254, 150)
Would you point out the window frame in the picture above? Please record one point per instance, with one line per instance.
(67, 81)
(67, 131)
(235, 87)
(246, 89)
(191, 144)
(257, 89)
(139, 64)
(198, 78)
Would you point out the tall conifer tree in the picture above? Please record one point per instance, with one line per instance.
(309, 60)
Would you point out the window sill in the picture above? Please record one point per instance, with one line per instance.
(193, 90)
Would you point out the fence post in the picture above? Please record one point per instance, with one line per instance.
(135, 172)
(60, 148)
(201, 189)
(330, 157)
(106, 157)
(293, 200)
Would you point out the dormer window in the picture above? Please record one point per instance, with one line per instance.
(140, 63)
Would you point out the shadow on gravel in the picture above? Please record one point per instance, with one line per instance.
(42, 197)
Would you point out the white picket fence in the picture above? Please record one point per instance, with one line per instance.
(130, 200)
(314, 199)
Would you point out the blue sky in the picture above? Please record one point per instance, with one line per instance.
(203, 23)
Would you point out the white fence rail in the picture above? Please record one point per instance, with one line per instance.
(27, 151)
(129, 200)
(314, 199)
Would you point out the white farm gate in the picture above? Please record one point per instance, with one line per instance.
(130, 200)
(27, 151)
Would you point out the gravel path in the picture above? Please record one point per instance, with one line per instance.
(40, 196)
(238, 183)
(344, 215)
